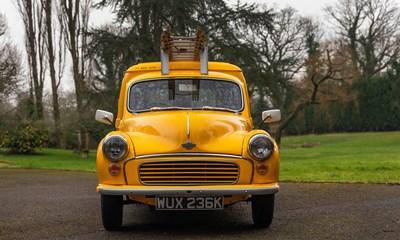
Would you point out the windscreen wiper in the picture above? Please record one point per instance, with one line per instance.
(219, 109)
(168, 108)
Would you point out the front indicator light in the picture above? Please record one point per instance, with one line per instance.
(262, 168)
(114, 168)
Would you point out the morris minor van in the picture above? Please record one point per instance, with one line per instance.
(184, 139)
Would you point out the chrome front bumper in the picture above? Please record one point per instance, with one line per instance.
(234, 190)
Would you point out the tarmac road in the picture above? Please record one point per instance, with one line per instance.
(43, 204)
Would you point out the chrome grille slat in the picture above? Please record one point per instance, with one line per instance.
(188, 172)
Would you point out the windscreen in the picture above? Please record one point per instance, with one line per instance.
(185, 93)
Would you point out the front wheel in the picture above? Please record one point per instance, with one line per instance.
(111, 211)
(262, 209)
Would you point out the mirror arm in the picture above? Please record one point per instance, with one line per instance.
(108, 120)
(263, 121)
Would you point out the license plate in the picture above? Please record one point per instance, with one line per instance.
(189, 203)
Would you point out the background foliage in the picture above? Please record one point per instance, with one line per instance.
(25, 137)
(344, 81)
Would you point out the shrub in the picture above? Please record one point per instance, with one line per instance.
(25, 137)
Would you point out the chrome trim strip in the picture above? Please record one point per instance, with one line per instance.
(189, 192)
(186, 155)
(188, 125)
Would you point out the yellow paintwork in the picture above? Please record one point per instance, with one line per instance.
(164, 132)
(212, 131)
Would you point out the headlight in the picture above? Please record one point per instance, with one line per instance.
(261, 147)
(115, 147)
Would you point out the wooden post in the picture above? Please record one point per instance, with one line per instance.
(85, 152)
(80, 143)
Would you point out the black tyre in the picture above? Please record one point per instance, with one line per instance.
(111, 212)
(262, 209)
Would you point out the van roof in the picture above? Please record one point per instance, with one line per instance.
(212, 66)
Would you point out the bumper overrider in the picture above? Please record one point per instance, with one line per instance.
(234, 190)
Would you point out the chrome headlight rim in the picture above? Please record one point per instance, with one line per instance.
(257, 137)
(108, 155)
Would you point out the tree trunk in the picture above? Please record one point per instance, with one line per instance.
(26, 9)
(278, 132)
(74, 20)
(47, 4)
(278, 136)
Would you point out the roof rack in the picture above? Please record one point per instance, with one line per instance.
(181, 48)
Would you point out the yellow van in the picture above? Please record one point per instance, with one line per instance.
(184, 138)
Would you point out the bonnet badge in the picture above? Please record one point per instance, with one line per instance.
(188, 145)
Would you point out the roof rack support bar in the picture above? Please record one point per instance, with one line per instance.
(164, 61)
(204, 61)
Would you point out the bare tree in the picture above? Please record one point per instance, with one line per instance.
(324, 81)
(32, 16)
(74, 18)
(10, 62)
(54, 62)
(298, 71)
(282, 52)
(3, 24)
(371, 30)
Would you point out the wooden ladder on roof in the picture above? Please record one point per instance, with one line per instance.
(183, 48)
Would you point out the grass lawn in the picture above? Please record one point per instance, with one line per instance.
(50, 159)
(356, 157)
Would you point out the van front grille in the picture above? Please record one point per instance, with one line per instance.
(188, 172)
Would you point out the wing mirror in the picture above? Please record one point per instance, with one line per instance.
(104, 117)
(271, 116)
